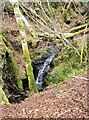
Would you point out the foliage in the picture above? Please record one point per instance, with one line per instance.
(57, 24)
(67, 65)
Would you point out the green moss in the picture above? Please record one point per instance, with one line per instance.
(11, 62)
(55, 63)
(20, 84)
(66, 67)
(55, 4)
(3, 98)
(23, 38)
(15, 5)
(21, 25)
(66, 16)
(36, 55)
(17, 15)
(29, 69)
(14, 70)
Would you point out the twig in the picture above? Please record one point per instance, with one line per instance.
(79, 27)
(81, 78)
(44, 12)
(76, 33)
(31, 11)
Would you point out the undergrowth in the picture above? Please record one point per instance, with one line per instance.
(67, 66)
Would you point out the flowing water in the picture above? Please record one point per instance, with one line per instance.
(41, 68)
(45, 68)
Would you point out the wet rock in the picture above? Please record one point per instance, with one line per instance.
(43, 69)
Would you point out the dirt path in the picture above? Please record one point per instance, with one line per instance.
(67, 101)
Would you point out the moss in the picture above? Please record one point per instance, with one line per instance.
(31, 81)
(21, 25)
(22, 37)
(17, 15)
(55, 63)
(15, 5)
(29, 69)
(11, 62)
(20, 84)
(3, 98)
(55, 4)
(66, 67)
(14, 70)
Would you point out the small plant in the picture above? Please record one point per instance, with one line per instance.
(66, 66)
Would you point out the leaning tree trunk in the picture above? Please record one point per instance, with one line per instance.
(3, 98)
(21, 26)
(12, 63)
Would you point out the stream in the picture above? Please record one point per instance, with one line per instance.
(40, 78)
(40, 69)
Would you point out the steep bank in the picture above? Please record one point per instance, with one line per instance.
(70, 100)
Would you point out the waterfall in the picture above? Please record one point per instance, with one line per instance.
(45, 68)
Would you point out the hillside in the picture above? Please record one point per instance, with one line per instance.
(44, 60)
(70, 100)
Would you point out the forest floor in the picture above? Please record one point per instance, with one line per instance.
(69, 100)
